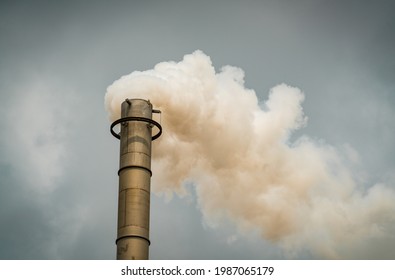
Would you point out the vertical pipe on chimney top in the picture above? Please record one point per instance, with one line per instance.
(134, 181)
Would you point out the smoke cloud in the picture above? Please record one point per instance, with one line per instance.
(238, 155)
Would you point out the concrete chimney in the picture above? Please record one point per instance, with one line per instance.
(134, 178)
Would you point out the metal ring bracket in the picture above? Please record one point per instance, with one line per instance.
(140, 119)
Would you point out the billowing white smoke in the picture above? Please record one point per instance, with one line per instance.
(245, 169)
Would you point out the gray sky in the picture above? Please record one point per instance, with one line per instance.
(58, 161)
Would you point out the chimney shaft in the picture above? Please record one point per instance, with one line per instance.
(134, 178)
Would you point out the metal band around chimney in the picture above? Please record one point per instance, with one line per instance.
(140, 119)
(135, 166)
(135, 236)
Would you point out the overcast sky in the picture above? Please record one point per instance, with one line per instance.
(59, 162)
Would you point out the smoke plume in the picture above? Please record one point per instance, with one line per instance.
(238, 155)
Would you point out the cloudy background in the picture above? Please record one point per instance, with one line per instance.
(58, 161)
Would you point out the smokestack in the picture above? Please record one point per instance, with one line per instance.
(134, 178)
